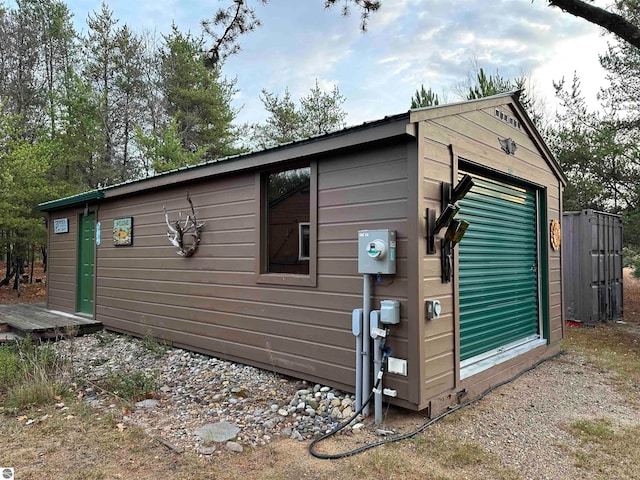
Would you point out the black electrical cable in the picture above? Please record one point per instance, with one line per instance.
(424, 426)
(386, 352)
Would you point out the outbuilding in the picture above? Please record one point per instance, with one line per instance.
(269, 271)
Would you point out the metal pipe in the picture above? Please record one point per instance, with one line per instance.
(356, 326)
(377, 363)
(366, 339)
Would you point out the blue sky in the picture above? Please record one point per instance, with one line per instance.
(409, 42)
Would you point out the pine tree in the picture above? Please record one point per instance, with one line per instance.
(424, 98)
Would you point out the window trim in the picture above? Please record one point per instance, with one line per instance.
(261, 260)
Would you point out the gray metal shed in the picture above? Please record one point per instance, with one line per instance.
(592, 269)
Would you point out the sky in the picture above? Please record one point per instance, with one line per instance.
(408, 43)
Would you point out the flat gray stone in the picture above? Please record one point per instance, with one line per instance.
(217, 432)
(207, 450)
(149, 403)
(234, 447)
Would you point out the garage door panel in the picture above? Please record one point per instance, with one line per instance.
(497, 263)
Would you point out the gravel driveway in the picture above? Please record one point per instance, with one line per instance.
(524, 423)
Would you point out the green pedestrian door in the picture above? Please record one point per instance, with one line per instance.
(498, 265)
(86, 260)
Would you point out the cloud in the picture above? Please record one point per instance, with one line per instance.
(408, 43)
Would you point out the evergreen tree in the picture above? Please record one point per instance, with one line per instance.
(601, 160)
(101, 65)
(196, 97)
(424, 98)
(284, 123)
(318, 113)
(485, 86)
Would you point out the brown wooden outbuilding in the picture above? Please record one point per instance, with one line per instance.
(274, 279)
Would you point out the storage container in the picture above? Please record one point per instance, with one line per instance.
(592, 266)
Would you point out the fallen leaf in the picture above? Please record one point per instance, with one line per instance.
(120, 427)
(57, 398)
(126, 411)
(80, 394)
(59, 405)
(69, 417)
(22, 418)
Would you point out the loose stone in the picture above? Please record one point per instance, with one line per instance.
(234, 447)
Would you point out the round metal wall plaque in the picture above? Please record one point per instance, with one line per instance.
(555, 234)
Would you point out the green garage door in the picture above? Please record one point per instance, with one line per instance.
(498, 264)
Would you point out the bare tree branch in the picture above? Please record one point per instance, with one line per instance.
(612, 22)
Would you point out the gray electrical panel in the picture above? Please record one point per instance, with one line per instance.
(390, 312)
(377, 252)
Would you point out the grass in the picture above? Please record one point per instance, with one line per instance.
(612, 349)
(606, 451)
(156, 347)
(131, 386)
(30, 375)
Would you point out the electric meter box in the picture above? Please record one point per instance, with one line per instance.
(377, 252)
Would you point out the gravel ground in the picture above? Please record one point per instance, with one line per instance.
(195, 390)
(523, 423)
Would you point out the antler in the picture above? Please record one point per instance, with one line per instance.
(191, 228)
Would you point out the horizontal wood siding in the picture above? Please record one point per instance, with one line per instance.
(62, 263)
(212, 302)
(473, 135)
(364, 191)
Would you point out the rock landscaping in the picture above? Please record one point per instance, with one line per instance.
(202, 403)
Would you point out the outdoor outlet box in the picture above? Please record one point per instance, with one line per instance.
(377, 252)
(397, 366)
(433, 309)
(390, 312)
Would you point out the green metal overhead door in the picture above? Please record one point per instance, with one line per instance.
(498, 280)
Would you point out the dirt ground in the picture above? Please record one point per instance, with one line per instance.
(631, 301)
(29, 293)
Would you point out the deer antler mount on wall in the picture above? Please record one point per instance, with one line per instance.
(185, 236)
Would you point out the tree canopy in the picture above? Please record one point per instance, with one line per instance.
(317, 113)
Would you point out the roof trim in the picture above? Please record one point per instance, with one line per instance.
(394, 126)
(397, 126)
(437, 111)
(72, 200)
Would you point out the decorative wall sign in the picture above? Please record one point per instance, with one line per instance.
(98, 233)
(61, 225)
(123, 231)
(556, 235)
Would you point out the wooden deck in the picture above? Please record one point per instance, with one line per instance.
(34, 320)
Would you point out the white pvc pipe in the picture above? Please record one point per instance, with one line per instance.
(366, 339)
(356, 319)
(377, 364)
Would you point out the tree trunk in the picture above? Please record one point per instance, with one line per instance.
(33, 261)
